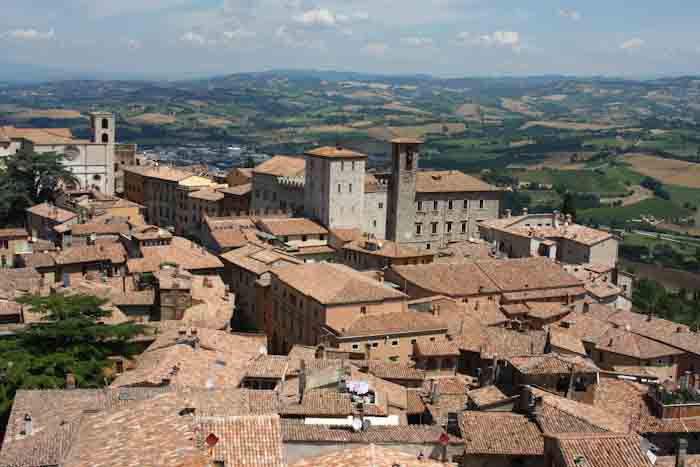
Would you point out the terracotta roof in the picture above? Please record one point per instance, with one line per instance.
(259, 258)
(407, 141)
(331, 284)
(370, 456)
(449, 181)
(11, 233)
(566, 341)
(295, 432)
(181, 251)
(625, 400)
(347, 235)
(229, 238)
(282, 166)
(269, 366)
(387, 370)
(52, 212)
(254, 441)
(562, 415)
(101, 229)
(38, 260)
(547, 310)
(552, 364)
(296, 226)
(486, 396)
(490, 341)
(113, 252)
(206, 194)
(387, 249)
(393, 323)
(42, 136)
(161, 172)
(600, 450)
(327, 403)
(335, 152)
(219, 362)
(18, 280)
(526, 274)
(459, 252)
(500, 433)
(623, 342)
(239, 190)
(149, 232)
(516, 225)
(9, 308)
(448, 279)
(441, 348)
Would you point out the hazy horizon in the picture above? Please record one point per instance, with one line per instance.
(455, 38)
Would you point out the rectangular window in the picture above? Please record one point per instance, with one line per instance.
(339, 190)
(394, 343)
(435, 205)
(381, 205)
(449, 205)
(374, 222)
(374, 344)
(464, 227)
(342, 166)
(419, 229)
(481, 204)
(434, 227)
(413, 341)
(448, 227)
(353, 165)
(350, 188)
(466, 204)
(420, 205)
(427, 246)
(355, 346)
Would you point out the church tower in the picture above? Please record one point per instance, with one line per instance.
(102, 124)
(402, 192)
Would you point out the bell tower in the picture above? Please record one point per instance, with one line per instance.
(405, 155)
(102, 124)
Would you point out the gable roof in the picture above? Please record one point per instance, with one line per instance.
(181, 251)
(332, 284)
(522, 274)
(448, 278)
(389, 323)
(449, 181)
(600, 450)
(283, 227)
(259, 258)
(113, 252)
(336, 152)
(369, 456)
(500, 433)
(552, 364)
(282, 166)
(49, 211)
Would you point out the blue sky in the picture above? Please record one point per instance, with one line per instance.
(441, 37)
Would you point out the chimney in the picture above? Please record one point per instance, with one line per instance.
(509, 213)
(528, 403)
(302, 379)
(525, 211)
(28, 424)
(70, 381)
(682, 452)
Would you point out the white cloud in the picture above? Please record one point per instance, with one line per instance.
(571, 14)
(134, 44)
(497, 38)
(196, 39)
(417, 41)
(297, 38)
(375, 49)
(239, 33)
(632, 44)
(30, 34)
(320, 17)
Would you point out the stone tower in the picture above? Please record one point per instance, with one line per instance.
(335, 187)
(102, 124)
(405, 155)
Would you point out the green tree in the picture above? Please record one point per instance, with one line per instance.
(30, 178)
(71, 338)
(249, 163)
(569, 205)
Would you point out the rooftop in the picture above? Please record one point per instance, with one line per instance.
(332, 284)
(113, 252)
(486, 396)
(259, 258)
(392, 323)
(50, 211)
(161, 172)
(41, 136)
(336, 152)
(449, 181)
(448, 279)
(369, 456)
(282, 166)
(387, 249)
(12, 233)
(600, 450)
(523, 274)
(284, 227)
(531, 225)
(500, 433)
(552, 364)
(100, 229)
(181, 251)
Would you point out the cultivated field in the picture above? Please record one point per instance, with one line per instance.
(391, 132)
(520, 107)
(398, 107)
(669, 171)
(567, 125)
(54, 114)
(153, 119)
(469, 110)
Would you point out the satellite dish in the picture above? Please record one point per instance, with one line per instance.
(356, 424)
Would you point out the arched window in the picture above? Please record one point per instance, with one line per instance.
(105, 138)
(71, 153)
(105, 123)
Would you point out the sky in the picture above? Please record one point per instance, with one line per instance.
(177, 38)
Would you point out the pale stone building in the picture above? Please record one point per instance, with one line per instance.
(552, 236)
(429, 209)
(335, 187)
(434, 208)
(91, 161)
